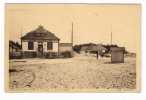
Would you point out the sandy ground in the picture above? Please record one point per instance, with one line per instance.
(73, 73)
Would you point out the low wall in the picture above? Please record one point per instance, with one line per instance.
(29, 54)
(15, 55)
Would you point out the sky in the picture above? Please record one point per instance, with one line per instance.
(92, 23)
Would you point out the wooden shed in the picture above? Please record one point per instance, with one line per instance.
(117, 54)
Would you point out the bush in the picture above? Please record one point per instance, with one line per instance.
(66, 54)
(51, 55)
(29, 54)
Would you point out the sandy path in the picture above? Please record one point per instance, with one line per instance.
(76, 73)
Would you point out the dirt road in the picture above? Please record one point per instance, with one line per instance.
(74, 73)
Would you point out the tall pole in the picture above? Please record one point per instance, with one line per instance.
(21, 31)
(21, 43)
(111, 44)
(72, 39)
(111, 35)
(21, 36)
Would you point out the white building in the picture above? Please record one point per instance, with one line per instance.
(39, 42)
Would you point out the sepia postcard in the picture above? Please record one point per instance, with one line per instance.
(72, 48)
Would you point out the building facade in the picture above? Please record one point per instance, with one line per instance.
(39, 42)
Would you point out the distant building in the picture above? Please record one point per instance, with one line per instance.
(83, 49)
(39, 42)
(93, 49)
(101, 49)
(14, 51)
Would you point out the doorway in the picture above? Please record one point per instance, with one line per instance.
(40, 50)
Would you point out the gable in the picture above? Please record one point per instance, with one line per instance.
(39, 33)
(84, 48)
(100, 47)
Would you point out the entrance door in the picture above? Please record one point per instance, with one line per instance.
(40, 50)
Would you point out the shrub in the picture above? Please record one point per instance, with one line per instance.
(51, 55)
(66, 54)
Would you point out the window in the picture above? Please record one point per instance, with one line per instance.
(30, 45)
(40, 34)
(49, 45)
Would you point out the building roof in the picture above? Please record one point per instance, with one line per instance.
(32, 35)
(92, 48)
(100, 47)
(117, 48)
(65, 44)
(84, 48)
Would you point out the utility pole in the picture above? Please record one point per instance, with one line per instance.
(111, 35)
(21, 31)
(21, 43)
(21, 37)
(111, 44)
(72, 40)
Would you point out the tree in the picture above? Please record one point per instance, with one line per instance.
(77, 48)
(16, 44)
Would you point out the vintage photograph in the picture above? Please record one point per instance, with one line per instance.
(72, 48)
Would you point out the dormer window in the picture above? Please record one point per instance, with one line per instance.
(40, 34)
(40, 31)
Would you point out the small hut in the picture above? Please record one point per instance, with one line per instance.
(117, 54)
